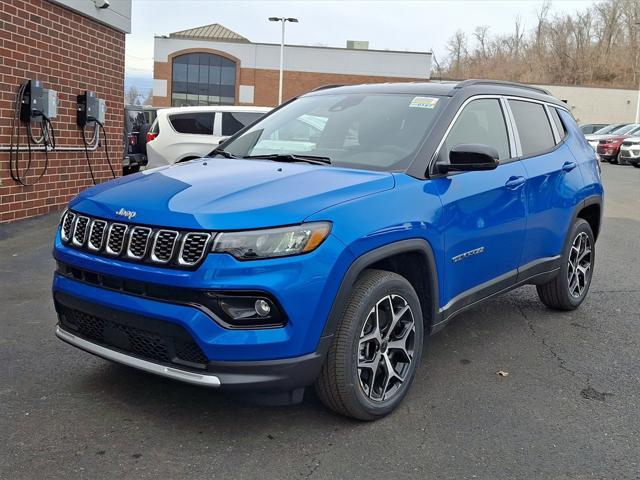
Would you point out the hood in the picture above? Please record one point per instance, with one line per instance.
(591, 138)
(228, 194)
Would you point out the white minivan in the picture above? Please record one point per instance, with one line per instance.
(184, 133)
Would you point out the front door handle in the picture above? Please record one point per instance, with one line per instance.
(515, 182)
(568, 166)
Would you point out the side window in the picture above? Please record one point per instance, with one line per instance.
(534, 128)
(481, 121)
(232, 122)
(200, 123)
(558, 121)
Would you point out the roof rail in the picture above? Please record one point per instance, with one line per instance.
(325, 87)
(468, 83)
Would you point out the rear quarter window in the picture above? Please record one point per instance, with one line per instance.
(562, 130)
(534, 129)
(200, 123)
(233, 122)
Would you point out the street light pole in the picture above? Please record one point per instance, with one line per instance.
(638, 101)
(283, 20)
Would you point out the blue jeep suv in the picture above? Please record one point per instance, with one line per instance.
(320, 245)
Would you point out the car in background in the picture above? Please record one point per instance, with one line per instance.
(614, 129)
(137, 121)
(630, 151)
(609, 147)
(590, 128)
(185, 133)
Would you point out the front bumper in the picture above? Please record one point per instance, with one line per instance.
(151, 345)
(631, 154)
(608, 153)
(134, 159)
(258, 359)
(115, 356)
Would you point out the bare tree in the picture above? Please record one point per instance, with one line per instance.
(481, 34)
(599, 45)
(132, 96)
(457, 47)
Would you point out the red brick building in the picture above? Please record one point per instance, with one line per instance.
(213, 65)
(69, 46)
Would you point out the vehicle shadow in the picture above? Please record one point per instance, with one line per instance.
(157, 399)
(463, 357)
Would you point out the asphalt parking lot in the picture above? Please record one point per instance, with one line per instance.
(569, 408)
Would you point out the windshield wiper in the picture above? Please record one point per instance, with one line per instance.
(289, 157)
(223, 152)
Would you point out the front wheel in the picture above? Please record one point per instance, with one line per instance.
(569, 288)
(377, 347)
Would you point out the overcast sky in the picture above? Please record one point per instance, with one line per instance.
(396, 25)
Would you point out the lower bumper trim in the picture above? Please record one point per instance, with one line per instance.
(206, 380)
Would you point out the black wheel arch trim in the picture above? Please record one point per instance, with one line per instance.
(595, 199)
(371, 257)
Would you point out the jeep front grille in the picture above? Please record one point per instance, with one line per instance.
(139, 243)
(193, 244)
(96, 235)
(164, 245)
(67, 225)
(80, 231)
(115, 239)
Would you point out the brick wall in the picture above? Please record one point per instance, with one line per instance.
(68, 53)
(266, 81)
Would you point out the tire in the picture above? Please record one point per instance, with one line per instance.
(130, 170)
(142, 137)
(355, 392)
(636, 164)
(563, 293)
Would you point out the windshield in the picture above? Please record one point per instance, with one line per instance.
(368, 131)
(607, 129)
(624, 130)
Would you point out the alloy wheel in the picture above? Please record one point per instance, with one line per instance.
(386, 348)
(580, 259)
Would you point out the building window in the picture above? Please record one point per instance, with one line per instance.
(203, 79)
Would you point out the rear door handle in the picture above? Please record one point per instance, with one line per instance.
(515, 182)
(568, 166)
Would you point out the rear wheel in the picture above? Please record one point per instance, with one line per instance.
(377, 347)
(142, 137)
(569, 288)
(636, 164)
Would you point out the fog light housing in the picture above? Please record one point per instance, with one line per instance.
(262, 307)
(246, 310)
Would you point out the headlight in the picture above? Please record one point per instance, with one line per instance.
(273, 242)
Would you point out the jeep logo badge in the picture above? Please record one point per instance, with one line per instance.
(126, 213)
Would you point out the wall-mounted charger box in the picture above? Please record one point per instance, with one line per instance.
(31, 102)
(49, 103)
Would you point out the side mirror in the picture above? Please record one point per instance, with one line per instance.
(472, 157)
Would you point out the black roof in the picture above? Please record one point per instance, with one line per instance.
(467, 88)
